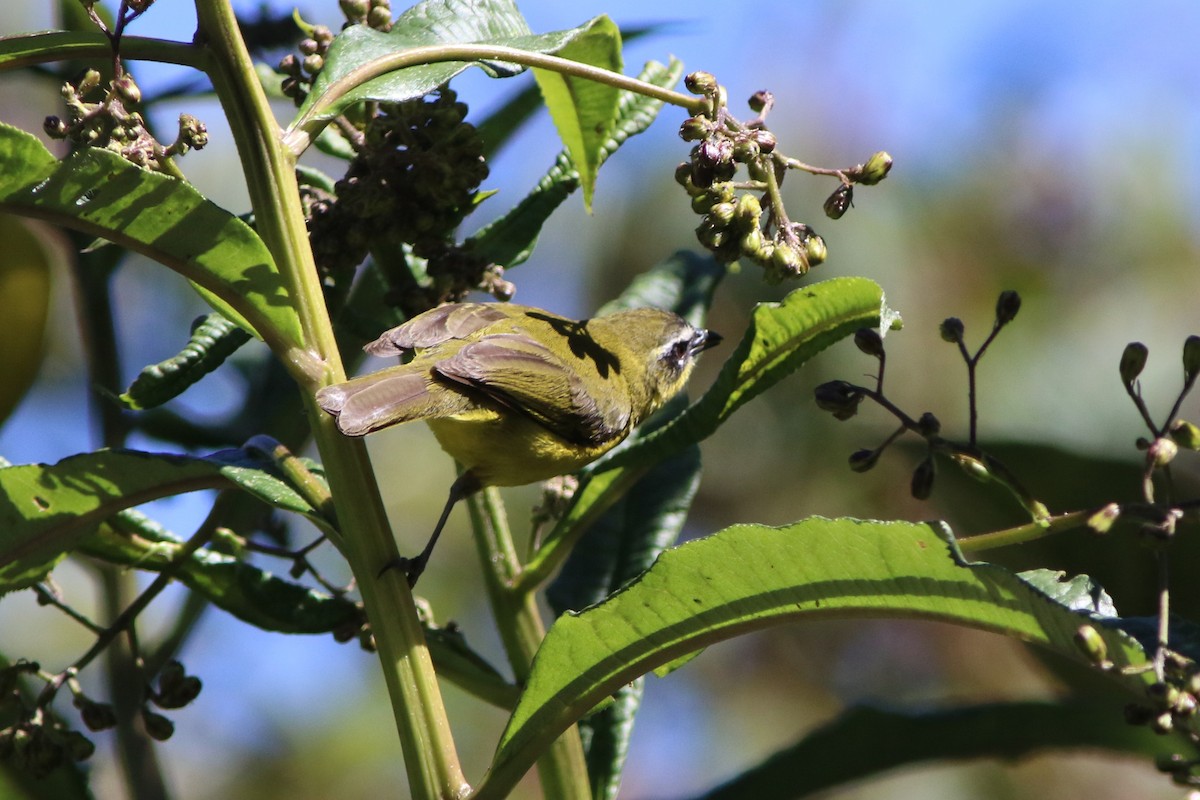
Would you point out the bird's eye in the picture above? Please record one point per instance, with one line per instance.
(680, 352)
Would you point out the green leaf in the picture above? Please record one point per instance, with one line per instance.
(749, 577)
(583, 110)
(46, 510)
(356, 50)
(510, 239)
(164, 218)
(214, 338)
(863, 742)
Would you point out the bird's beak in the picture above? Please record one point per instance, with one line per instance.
(705, 340)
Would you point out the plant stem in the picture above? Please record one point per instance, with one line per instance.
(563, 769)
(305, 128)
(367, 542)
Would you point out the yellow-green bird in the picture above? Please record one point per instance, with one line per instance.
(516, 394)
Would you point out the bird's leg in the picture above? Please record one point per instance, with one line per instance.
(465, 485)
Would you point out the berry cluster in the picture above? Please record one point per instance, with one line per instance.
(414, 179)
(110, 124)
(734, 224)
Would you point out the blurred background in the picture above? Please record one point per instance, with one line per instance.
(1038, 146)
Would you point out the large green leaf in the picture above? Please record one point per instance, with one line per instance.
(864, 742)
(583, 110)
(46, 510)
(164, 218)
(749, 577)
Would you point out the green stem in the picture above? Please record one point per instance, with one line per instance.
(367, 542)
(1026, 533)
(305, 128)
(563, 769)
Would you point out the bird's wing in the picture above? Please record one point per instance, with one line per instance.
(388, 397)
(519, 372)
(454, 321)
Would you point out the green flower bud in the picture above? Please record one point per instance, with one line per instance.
(875, 170)
(922, 479)
(761, 101)
(787, 261)
(815, 250)
(838, 398)
(721, 214)
(308, 46)
(1185, 434)
(313, 64)
(869, 341)
(752, 243)
(1191, 358)
(694, 129)
(1133, 361)
(683, 174)
(700, 83)
(354, 9)
(1103, 520)
(1092, 645)
(951, 330)
(1007, 306)
(840, 201)
(748, 211)
(1162, 452)
(89, 81)
(379, 18)
(863, 460)
(745, 151)
(703, 203)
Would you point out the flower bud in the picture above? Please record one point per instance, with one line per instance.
(683, 174)
(837, 397)
(1092, 645)
(127, 90)
(951, 330)
(840, 201)
(1162, 452)
(1103, 520)
(721, 214)
(96, 716)
(929, 425)
(354, 9)
(869, 341)
(157, 726)
(922, 479)
(1185, 434)
(1007, 306)
(380, 18)
(1133, 361)
(702, 174)
(744, 151)
(752, 243)
(313, 64)
(77, 747)
(54, 127)
(748, 211)
(694, 129)
(863, 460)
(761, 101)
(1191, 358)
(815, 250)
(786, 262)
(765, 140)
(875, 170)
(700, 83)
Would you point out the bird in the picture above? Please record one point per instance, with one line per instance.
(517, 394)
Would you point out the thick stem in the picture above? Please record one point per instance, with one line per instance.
(367, 542)
(563, 768)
